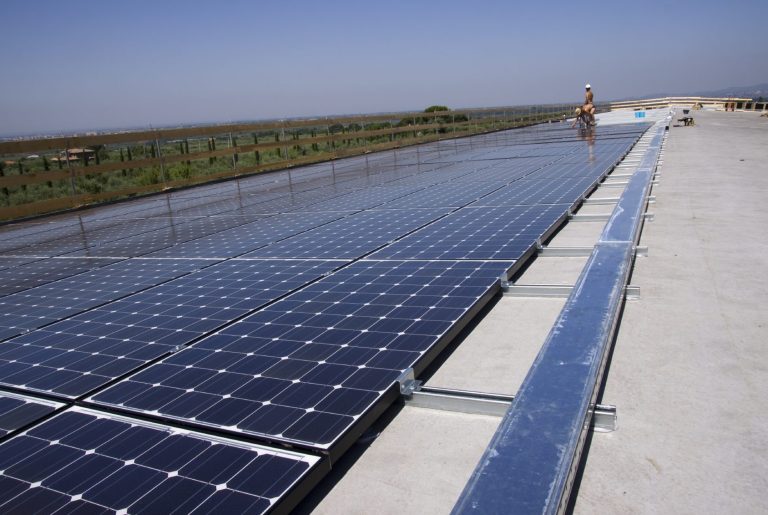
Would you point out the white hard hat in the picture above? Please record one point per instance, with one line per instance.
(587, 86)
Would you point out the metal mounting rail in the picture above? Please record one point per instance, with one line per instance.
(601, 217)
(556, 291)
(604, 417)
(531, 462)
(548, 251)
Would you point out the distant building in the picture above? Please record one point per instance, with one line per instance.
(75, 154)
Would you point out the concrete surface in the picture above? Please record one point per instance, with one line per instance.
(576, 234)
(689, 367)
(419, 464)
(496, 355)
(555, 270)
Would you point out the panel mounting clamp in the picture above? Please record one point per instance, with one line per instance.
(408, 382)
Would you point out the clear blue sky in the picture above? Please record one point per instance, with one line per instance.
(79, 64)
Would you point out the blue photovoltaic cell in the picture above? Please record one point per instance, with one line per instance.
(539, 191)
(365, 198)
(17, 411)
(246, 238)
(504, 233)
(509, 170)
(12, 262)
(82, 461)
(74, 356)
(69, 241)
(33, 274)
(172, 232)
(307, 367)
(57, 300)
(456, 193)
(352, 236)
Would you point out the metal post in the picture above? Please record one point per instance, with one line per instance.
(234, 155)
(71, 172)
(160, 156)
(282, 138)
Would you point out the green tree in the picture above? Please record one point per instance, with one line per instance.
(436, 108)
(99, 153)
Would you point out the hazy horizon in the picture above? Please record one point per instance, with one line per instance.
(85, 65)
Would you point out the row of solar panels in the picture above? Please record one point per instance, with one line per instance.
(292, 327)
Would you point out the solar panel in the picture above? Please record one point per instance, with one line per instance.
(508, 170)
(48, 303)
(249, 237)
(307, 368)
(43, 271)
(567, 191)
(456, 193)
(17, 236)
(504, 233)
(74, 356)
(83, 461)
(352, 236)
(365, 198)
(12, 262)
(61, 244)
(18, 411)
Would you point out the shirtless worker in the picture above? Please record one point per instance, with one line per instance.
(589, 105)
(582, 118)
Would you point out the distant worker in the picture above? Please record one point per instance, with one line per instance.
(589, 104)
(582, 118)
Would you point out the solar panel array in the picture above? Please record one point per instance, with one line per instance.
(306, 368)
(279, 310)
(54, 301)
(73, 356)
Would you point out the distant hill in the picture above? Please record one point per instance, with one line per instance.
(756, 91)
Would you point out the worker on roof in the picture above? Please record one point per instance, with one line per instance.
(589, 106)
(582, 118)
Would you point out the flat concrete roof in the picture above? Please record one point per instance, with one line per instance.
(688, 369)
